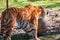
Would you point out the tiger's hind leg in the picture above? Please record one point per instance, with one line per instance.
(6, 27)
(8, 32)
(8, 35)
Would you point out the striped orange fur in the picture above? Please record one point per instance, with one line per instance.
(26, 17)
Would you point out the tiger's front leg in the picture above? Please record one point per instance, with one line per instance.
(33, 32)
(34, 35)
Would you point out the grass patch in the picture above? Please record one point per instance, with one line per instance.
(22, 3)
(53, 5)
(27, 37)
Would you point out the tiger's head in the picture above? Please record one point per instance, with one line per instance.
(40, 11)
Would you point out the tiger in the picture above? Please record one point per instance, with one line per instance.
(24, 18)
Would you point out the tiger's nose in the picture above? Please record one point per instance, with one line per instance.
(47, 12)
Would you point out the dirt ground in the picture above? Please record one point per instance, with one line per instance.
(51, 21)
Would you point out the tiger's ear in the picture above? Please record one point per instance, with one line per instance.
(28, 5)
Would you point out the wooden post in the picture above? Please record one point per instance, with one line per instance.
(7, 4)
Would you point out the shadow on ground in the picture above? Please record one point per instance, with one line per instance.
(21, 36)
(58, 39)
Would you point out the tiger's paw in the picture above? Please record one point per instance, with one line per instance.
(38, 39)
